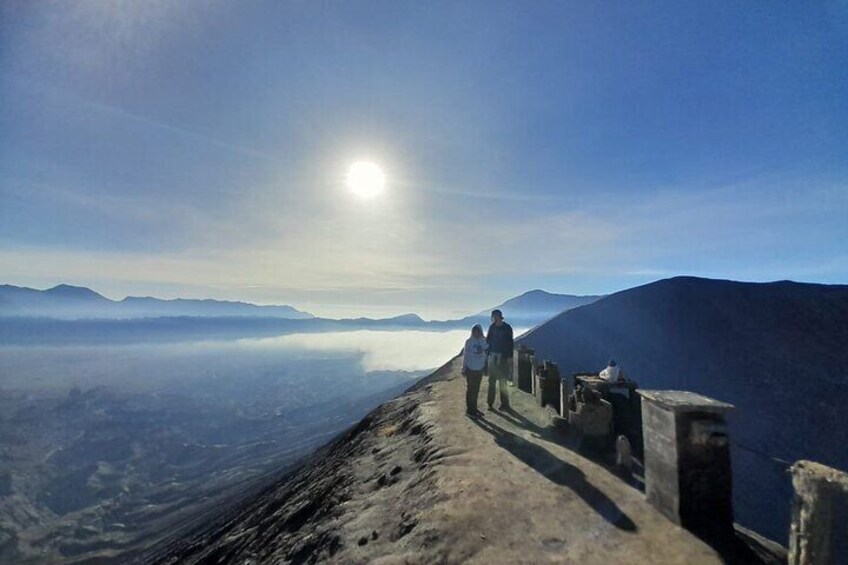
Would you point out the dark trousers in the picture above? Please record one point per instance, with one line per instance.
(498, 373)
(472, 390)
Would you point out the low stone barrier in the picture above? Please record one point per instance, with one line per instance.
(547, 385)
(590, 417)
(819, 531)
(687, 461)
(526, 360)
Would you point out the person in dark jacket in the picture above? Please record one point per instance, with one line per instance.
(500, 340)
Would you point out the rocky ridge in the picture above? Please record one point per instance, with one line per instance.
(417, 481)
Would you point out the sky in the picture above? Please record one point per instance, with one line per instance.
(199, 149)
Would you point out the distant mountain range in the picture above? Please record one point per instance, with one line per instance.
(777, 351)
(75, 302)
(66, 302)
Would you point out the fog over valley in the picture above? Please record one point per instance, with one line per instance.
(104, 445)
(120, 425)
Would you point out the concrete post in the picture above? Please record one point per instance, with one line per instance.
(687, 461)
(534, 384)
(547, 385)
(538, 380)
(592, 422)
(819, 531)
(553, 382)
(526, 360)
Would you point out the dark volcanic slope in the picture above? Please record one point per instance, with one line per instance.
(778, 351)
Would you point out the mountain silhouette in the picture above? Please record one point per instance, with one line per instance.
(540, 301)
(777, 351)
(75, 302)
(533, 307)
(69, 292)
(68, 314)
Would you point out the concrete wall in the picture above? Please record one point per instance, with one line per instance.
(819, 531)
(687, 461)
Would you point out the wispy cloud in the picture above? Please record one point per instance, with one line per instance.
(94, 40)
(182, 132)
(376, 255)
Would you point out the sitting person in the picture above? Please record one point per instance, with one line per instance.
(613, 373)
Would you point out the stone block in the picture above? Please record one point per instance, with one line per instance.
(547, 385)
(524, 369)
(592, 419)
(564, 393)
(687, 461)
(819, 531)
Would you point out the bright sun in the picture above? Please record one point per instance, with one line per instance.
(366, 179)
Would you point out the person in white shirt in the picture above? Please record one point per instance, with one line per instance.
(613, 372)
(473, 361)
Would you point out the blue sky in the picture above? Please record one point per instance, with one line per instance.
(199, 149)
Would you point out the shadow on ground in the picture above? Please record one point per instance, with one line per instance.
(737, 551)
(554, 469)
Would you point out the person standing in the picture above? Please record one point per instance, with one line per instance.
(473, 362)
(500, 340)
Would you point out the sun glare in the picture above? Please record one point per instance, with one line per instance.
(366, 179)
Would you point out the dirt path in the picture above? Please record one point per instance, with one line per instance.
(500, 490)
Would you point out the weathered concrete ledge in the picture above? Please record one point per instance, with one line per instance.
(687, 461)
(685, 401)
(819, 534)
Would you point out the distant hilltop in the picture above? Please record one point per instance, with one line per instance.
(536, 306)
(75, 302)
